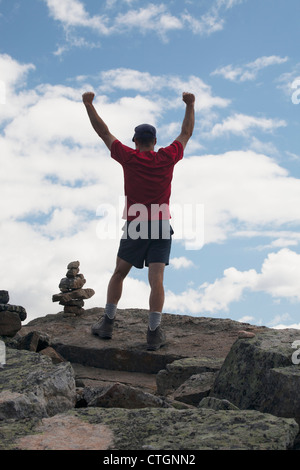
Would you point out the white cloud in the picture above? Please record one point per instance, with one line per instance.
(279, 319)
(212, 20)
(129, 79)
(242, 124)
(208, 23)
(228, 3)
(247, 319)
(212, 298)
(144, 82)
(282, 326)
(250, 70)
(268, 148)
(240, 188)
(13, 76)
(149, 18)
(73, 13)
(279, 277)
(181, 262)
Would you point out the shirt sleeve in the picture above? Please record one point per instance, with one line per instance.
(117, 152)
(173, 151)
(179, 150)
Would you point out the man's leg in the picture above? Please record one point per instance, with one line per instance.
(155, 336)
(156, 281)
(115, 286)
(104, 328)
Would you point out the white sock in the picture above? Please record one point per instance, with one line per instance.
(154, 320)
(110, 310)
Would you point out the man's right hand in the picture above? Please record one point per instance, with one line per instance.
(188, 98)
(88, 97)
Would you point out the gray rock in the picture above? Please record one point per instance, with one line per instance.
(69, 283)
(14, 308)
(71, 273)
(258, 374)
(73, 265)
(179, 371)
(10, 323)
(119, 395)
(195, 388)
(32, 341)
(31, 386)
(187, 337)
(79, 294)
(152, 428)
(54, 356)
(4, 297)
(216, 404)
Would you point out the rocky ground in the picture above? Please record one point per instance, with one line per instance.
(63, 388)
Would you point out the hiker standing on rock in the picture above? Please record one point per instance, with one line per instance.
(147, 232)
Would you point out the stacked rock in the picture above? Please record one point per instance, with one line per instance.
(72, 294)
(11, 316)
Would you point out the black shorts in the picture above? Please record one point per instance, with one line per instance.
(146, 242)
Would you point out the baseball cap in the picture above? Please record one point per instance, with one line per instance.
(144, 129)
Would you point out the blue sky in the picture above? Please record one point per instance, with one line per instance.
(241, 167)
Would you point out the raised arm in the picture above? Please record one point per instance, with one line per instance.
(189, 119)
(96, 121)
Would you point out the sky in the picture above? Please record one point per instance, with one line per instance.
(235, 195)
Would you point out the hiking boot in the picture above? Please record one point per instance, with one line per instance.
(155, 339)
(104, 328)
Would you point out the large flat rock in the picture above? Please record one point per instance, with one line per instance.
(151, 429)
(187, 337)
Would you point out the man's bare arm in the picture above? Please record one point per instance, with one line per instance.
(96, 121)
(189, 119)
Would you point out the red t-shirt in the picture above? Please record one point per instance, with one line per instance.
(147, 179)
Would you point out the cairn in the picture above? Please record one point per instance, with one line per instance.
(72, 295)
(11, 316)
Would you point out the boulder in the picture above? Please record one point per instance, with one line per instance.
(14, 308)
(258, 373)
(177, 372)
(11, 316)
(216, 404)
(54, 356)
(10, 323)
(32, 386)
(32, 341)
(119, 395)
(195, 388)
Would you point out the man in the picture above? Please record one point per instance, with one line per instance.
(147, 175)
